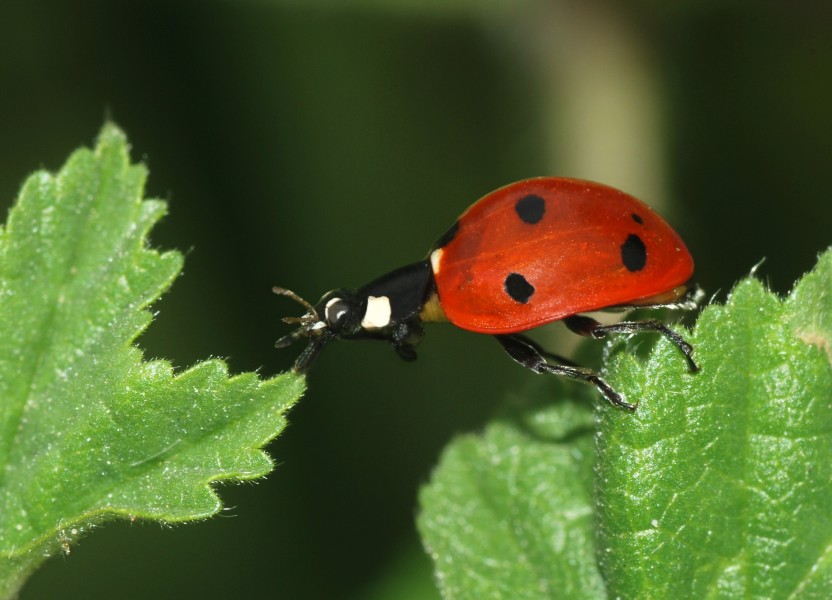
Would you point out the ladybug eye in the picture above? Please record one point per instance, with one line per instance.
(336, 312)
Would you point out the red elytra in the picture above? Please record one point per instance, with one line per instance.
(527, 254)
(569, 249)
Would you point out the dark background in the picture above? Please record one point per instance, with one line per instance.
(318, 147)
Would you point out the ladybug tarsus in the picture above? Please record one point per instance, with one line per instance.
(588, 327)
(530, 355)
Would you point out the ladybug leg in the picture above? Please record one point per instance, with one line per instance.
(405, 338)
(405, 352)
(309, 354)
(589, 327)
(542, 351)
(529, 354)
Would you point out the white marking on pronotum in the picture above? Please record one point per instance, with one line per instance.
(435, 258)
(377, 314)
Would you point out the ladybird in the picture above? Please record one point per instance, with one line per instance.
(532, 252)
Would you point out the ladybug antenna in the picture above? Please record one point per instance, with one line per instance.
(306, 322)
(290, 294)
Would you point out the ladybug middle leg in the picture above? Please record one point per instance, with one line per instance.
(529, 354)
(589, 327)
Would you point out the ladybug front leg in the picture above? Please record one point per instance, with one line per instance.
(529, 354)
(589, 327)
(404, 338)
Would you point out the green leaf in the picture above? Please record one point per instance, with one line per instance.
(88, 431)
(509, 514)
(718, 485)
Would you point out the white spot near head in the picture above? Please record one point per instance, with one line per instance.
(435, 259)
(335, 316)
(377, 314)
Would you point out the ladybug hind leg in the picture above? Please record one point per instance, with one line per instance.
(529, 354)
(589, 327)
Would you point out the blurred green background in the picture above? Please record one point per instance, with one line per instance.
(318, 144)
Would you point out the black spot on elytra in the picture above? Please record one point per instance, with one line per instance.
(530, 209)
(446, 237)
(633, 253)
(637, 219)
(518, 288)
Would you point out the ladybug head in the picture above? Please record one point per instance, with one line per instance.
(337, 315)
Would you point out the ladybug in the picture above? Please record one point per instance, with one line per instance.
(532, 252)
